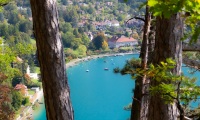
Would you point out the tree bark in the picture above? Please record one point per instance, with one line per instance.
(167, 45)
(51, 59)
(140, 102)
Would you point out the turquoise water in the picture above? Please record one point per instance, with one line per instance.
(187, 72)
(98, 94)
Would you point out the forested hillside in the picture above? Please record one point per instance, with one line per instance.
(78, 19)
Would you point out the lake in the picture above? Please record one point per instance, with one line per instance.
(101, 94)
(98, 94)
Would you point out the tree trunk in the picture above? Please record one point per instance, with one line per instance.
(51, 59)
(140, 102)
(167, 45)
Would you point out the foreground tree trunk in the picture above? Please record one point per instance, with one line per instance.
(140, 102)
(167, 45)
(51, 59)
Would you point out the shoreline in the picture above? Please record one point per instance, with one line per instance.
(78, 60)
(31, 113)
(38, 99)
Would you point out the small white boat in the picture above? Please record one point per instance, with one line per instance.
(87, 70)
(105, 68)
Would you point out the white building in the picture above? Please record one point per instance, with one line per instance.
(115, 23)
(36, 89)
(32, 75)
(116, 42)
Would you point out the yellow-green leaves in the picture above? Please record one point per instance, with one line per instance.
(166, 92)
(3, 2)
(190, 10)
(152, 2)
(164, 7)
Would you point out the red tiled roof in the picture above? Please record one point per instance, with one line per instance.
(125, 39)
(121, 39)
(20, 86)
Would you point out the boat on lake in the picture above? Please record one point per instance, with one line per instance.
(106, 69)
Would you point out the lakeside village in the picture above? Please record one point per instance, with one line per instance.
(35, 93)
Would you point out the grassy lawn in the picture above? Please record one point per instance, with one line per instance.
(37, 70)
(30, 92)
(34, 80)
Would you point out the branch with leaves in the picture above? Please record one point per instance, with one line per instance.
(179, 88)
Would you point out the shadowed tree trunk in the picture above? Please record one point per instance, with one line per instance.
(167, 45)
(140, 103)
(51, 59)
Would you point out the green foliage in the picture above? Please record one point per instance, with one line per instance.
(26, 101)
(188, 8)
(85, 40)
(189, 90)
(66, 27)
(4, 2)
(6, 58)
(76, 42)
(128, 107)
(116, 70)
(16, 100)
(125, 49)
(127, 34)
(16, 80)
(166, 85)
(131, 66)
(70, 15)
(91, 10)
(166, 91)
(25, 26)
(81, 50)
(99, 40)
(23, 49)
(67, 38)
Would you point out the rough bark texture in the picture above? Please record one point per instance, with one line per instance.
(151, 40)
(167, 45)
(139, 109)
(51, 59)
